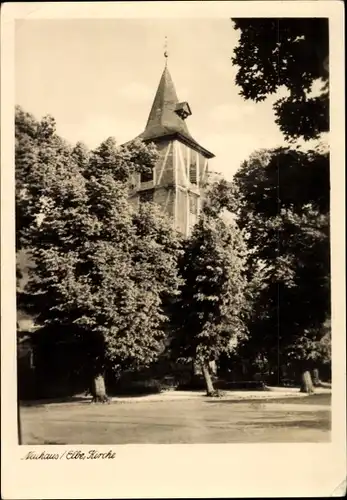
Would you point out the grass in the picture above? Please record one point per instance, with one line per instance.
(186, 421)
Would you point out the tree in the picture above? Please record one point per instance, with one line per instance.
(26, 155)
(292, 53)
(80, 154)
(103, 270)
(210, 310)
(286, 192)
(287, 227)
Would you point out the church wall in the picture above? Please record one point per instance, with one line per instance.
(183, 156)
(171, 168)
(193, 210)
(165, 197)
(182, 211)
(203, 168)
(191, 165)
(164, 170)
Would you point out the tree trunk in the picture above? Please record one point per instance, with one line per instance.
(99, 389)
(207, 376)
(315, 378)
(306, 383)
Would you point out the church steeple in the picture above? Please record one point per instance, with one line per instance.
(163, 118)
(167, 116)
(178, 179)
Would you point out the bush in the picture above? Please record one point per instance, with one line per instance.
(194, 383)
(242, 385)
(137, 388)
(141, 383)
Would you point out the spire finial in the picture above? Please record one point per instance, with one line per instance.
(166, 54)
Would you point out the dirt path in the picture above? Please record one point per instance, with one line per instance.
(189, 421)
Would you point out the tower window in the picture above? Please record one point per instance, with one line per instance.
(146, 196)
(183, 110)
(193, 174)
(146, 176)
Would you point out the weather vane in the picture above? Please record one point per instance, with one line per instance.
(166, 54)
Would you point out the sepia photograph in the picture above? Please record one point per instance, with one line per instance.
(173, 252)
(159, 270)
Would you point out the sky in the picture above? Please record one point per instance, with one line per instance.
(98, 79)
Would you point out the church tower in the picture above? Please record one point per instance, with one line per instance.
(177, 181)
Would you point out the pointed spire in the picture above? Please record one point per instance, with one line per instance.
(167, 115)
(163, 118)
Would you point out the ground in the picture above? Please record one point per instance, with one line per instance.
(196, 420)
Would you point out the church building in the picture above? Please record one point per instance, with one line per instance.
(177, 181)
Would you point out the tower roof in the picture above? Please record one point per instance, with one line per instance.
(164, 120)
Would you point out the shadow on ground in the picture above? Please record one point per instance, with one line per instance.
(42, 402)
(315, 399)
(285, 424)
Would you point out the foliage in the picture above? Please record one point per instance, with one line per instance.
(80, 155)
(121, 163)
(210, 310)
(314, 345)
(103, 270)
(282, 196)
(282, 204)
(289, 53)
(219, 197)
